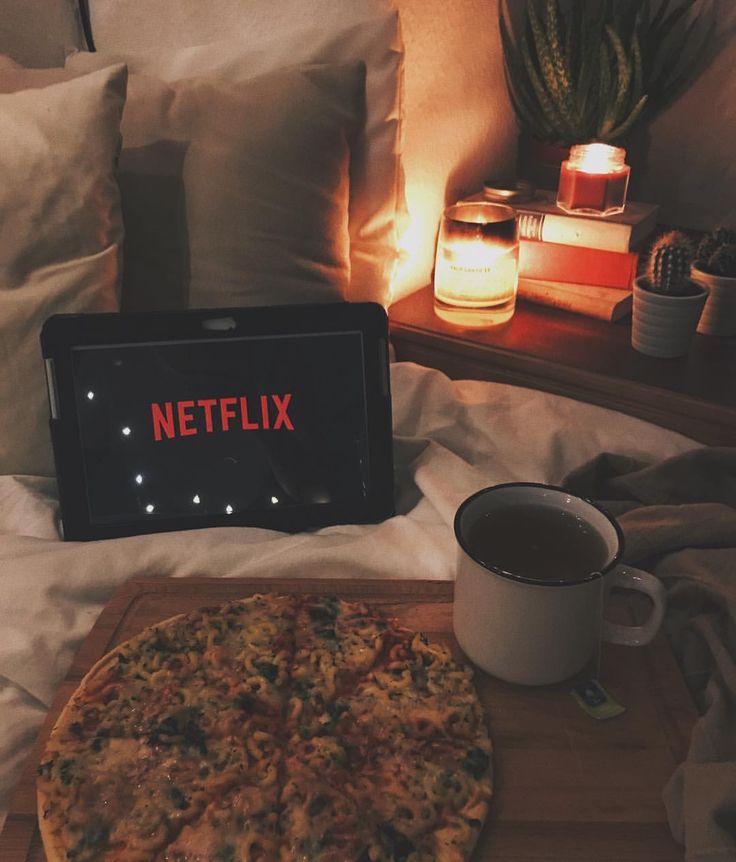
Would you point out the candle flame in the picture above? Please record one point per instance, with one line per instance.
(598, 158)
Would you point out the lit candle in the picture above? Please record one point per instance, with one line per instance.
(475, 277)
(593, 180)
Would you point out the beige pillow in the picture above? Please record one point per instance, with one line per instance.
(40, 32)
(237, 194)
(59, 238)
(278, 35)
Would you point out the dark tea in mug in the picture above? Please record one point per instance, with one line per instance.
(538, 542)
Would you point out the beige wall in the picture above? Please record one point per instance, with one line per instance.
(458, 126)
(691, 162)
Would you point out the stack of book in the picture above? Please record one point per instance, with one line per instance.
(582, 264)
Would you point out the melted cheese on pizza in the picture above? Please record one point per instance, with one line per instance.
(274, 728)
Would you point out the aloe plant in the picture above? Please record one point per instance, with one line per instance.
(593, 69)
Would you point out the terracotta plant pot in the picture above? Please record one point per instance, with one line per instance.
(664, 325)
(719, 314)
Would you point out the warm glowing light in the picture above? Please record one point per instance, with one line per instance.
(409, 264)
(90, 395)
(594, 180)
(596, 158)
(150, 507)
(196, 500)
(228, 509)
(126, 431)
(417, 232)
(139, 479)
(477, 263)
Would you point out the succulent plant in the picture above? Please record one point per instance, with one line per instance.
(579, 71)
(668, 266)
(717, 252)
(723, 260)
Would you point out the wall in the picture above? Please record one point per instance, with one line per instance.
(459, 127)
(690, 165)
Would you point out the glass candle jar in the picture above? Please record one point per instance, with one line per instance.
(475, 276)
(594, 180)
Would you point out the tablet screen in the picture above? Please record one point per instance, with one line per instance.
(205, 427)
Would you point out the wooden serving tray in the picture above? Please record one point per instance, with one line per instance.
(566, 787)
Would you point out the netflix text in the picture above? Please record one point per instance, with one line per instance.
(207, 415)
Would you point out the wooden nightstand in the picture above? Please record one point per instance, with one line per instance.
(582, 358)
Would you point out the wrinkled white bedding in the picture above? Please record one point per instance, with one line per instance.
(451, 438)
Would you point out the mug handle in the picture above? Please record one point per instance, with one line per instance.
(635, 579)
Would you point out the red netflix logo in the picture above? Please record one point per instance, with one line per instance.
(186, 418)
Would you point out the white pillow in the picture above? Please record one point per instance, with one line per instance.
(140, 25)
(60, 238)
(237, 194)
(39, 32)
(376, 190)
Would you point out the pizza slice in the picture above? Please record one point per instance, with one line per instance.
(416, 719)
(336, 642)
(183, 714)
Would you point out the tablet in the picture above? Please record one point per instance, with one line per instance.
(275, 417)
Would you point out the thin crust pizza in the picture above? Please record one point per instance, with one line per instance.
(271, 729)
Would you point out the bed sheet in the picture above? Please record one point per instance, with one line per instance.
(450, 439)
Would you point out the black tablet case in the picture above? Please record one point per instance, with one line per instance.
(276, 417)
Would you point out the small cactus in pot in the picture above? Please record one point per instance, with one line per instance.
(667, 302)
(715, 267)
(717, 253)
(723, 261)
(668, 266)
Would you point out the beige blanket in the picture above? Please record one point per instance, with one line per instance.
(679, 519)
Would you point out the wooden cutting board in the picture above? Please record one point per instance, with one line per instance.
(566, 787)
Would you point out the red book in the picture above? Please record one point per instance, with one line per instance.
(551, 261)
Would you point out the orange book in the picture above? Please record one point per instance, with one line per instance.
(550, 261)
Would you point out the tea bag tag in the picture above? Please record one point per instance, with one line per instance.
(596, 701)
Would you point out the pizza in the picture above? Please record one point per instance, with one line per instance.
(271, 729)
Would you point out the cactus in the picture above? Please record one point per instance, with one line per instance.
(717, 252)
(668, 267)
(723, 261)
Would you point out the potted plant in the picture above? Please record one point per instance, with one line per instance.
(593, 71)
(667, 302)
(715, 267)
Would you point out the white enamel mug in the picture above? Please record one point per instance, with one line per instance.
(538, 632)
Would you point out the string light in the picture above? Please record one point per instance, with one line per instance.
(139, 479)
(196, 500)
(126, 431)
(90, 395)
(229, 509)
(149, 508)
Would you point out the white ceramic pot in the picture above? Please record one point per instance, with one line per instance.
(719, 314)
(538, 632)
(663, 325)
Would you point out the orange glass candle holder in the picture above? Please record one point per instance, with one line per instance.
(594, 180)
